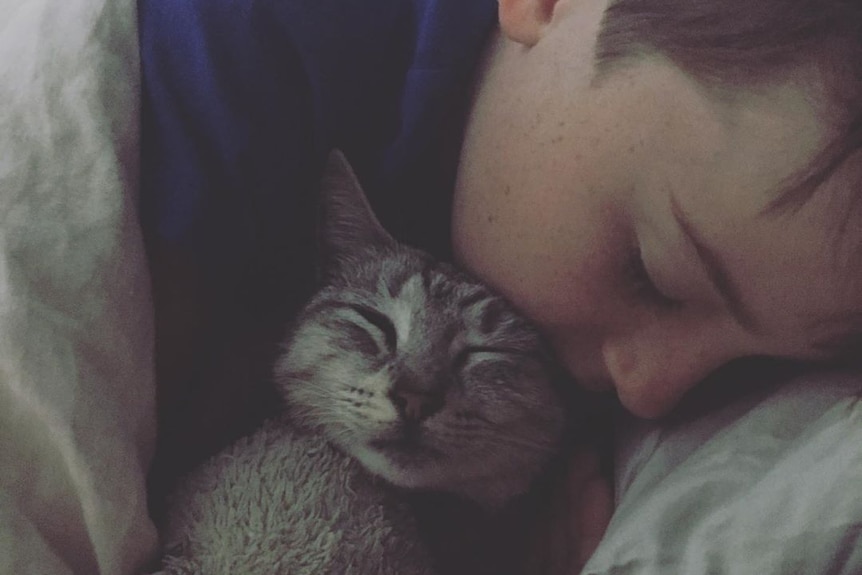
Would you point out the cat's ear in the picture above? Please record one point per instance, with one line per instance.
(348, 224)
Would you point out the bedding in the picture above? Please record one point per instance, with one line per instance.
(76, 379)
(768, 484)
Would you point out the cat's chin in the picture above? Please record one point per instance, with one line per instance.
(396, 461)
(418, 469)
(406, 451)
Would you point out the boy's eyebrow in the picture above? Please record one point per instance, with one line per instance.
(717, 272)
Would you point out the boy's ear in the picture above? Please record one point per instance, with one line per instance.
(524, 20)
(348, 225)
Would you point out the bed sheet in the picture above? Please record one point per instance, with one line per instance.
(769, 484)
(76, 376)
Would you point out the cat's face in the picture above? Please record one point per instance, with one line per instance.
(418, 371)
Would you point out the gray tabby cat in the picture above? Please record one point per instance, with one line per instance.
(421, 373)
(401, 371)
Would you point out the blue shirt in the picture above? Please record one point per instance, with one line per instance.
(243, 98)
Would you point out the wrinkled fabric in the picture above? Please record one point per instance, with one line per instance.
(77, 421)
(768, 485)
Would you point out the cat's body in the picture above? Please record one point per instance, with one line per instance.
(415, 370)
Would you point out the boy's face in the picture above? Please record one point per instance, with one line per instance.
(565, 188)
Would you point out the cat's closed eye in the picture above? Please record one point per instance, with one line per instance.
(377, 327)
(479, 352)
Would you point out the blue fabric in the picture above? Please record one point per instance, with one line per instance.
(242, 100)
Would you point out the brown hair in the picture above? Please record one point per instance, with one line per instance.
(741, 43)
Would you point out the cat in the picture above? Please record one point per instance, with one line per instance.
(402, 378)
(415, 369)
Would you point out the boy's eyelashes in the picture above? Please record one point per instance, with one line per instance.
(641, 285)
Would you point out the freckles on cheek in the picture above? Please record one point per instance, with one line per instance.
(502, 258)
(552, 278)
(492, 242)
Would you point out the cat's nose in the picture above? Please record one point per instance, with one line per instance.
(416, 406)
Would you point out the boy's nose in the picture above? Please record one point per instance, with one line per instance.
(652, 373)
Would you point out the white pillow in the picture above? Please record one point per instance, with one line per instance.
(77, 419)
(768, 485)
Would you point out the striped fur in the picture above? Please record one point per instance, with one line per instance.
(420, 372)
